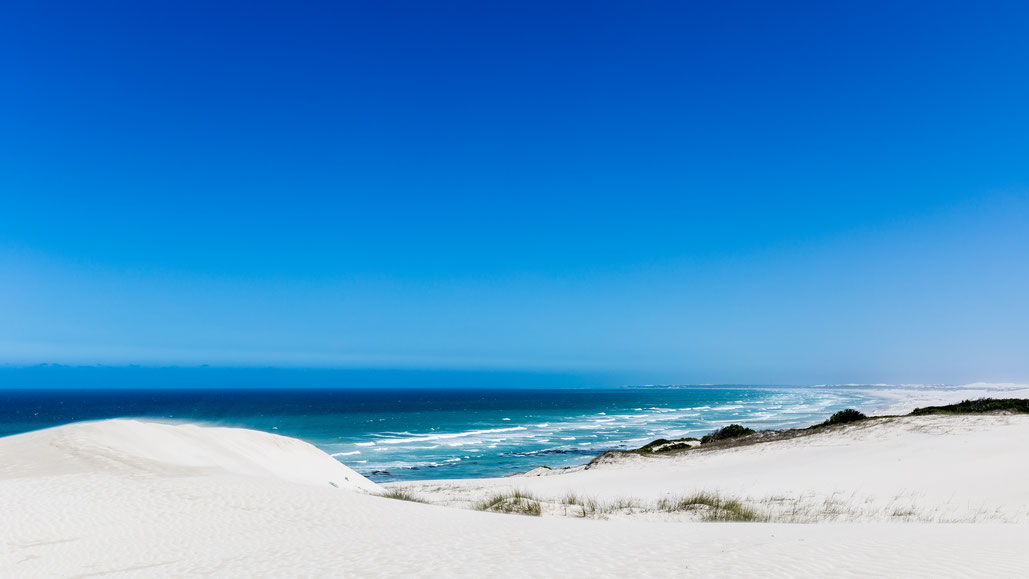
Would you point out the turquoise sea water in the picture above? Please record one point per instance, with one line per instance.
(425, 434)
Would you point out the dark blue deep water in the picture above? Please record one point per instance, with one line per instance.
(437, 433)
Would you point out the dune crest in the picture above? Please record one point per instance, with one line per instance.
(137, 448)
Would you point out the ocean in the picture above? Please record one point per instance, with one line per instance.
(410, 434)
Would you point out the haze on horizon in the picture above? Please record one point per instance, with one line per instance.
(662, 193)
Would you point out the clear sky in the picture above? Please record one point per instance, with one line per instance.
(659, 191)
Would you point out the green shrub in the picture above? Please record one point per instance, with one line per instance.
(727, 432)
(649, 447)
(664, 445)
(844, 416)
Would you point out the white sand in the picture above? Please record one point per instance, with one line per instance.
(123, 498)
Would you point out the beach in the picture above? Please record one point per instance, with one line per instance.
(912, 496)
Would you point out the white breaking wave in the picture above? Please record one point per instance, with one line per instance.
(448, 436)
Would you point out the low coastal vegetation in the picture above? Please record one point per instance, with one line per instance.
(844, 416)
(400, 495)
(707, 506)
(514, 502)
(712, 507)
(663, 445)
(727, 432)
(982, 405)
(589, 507)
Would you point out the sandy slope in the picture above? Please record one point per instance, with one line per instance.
(125, 498)
(925, 468)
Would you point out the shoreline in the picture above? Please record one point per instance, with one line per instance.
(885, 401)
(880, 400)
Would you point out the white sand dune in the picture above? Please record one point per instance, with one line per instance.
(135, 449)
(132, 499)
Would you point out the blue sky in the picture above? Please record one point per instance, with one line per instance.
(674, 192)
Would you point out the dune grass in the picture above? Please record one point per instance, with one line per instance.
(589, 507)
(710, 506)
(513, 502)
(400, 495)
(714, 507)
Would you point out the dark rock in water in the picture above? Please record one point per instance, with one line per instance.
(380, 473)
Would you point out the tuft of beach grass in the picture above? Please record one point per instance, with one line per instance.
(400, 495)
(513, 502)
(713, 506)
